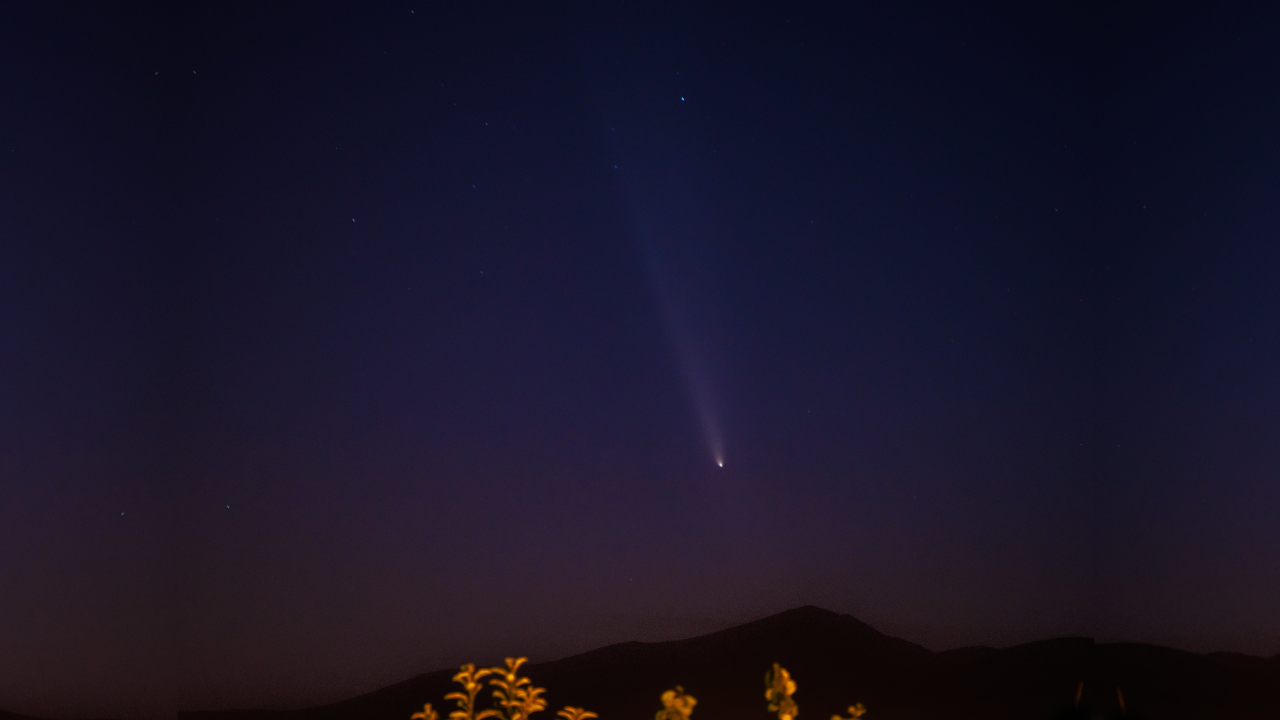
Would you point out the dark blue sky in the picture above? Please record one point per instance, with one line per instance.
(340, 343)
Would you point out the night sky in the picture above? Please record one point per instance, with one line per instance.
(340, 343)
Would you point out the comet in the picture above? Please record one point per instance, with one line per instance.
(664, 192)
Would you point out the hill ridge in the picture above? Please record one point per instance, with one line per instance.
(838, 660)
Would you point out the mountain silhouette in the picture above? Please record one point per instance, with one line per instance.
(837, 661)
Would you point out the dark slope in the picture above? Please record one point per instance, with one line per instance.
(837, 660)
(1160, 682)
(14, 716)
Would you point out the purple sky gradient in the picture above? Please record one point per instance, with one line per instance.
(340, 343)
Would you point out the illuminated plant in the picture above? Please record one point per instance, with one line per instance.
(855, 712)
(576, 713)
(469, 678)
(515, 696)
(779, 687)
(676, 705)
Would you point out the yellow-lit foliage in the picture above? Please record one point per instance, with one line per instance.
(515, 696)
(778, 689)
(855, 712)
(676, 705)
(572, 713)
(469, 678)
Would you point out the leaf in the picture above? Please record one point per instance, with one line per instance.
(575, 713)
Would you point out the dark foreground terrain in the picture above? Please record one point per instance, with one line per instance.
(837, 661)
